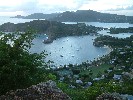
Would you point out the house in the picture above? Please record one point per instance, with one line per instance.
(96, 79)
(130, 75)
(122, 53)
(88, 84)
(79, 81)
(117, 77)
(123, 66)
(103, 76)
(61, 79)
(71, 86)
(76, 76)
(109, 71)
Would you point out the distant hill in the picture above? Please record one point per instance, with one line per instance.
(18, 16)
(53, 29)
(91, 16)
(38, 16)
(81, 16)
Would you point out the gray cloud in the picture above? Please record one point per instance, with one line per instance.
(59, 8)
(6, 9)
(33, 6)
(117, 9)
(81, 2)
(121, 8)
(129, 8)
(26, 6)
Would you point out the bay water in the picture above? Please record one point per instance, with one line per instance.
(72, 49)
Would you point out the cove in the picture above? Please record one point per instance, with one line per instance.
(69, 50)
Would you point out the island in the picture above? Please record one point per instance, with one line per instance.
(114, 30)
(52, 29)
(81, 16)
(107, 77)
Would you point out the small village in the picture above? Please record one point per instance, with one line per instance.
(116, 68)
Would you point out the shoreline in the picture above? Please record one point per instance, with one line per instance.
(109, 49)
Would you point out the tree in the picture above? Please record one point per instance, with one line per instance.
(19, 68)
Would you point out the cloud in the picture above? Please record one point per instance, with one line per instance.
(49, 6)
(30, 5)
(118, 5)
(129, 8)
(122, 8)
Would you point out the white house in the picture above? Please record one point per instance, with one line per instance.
(79, 81)
(117, 77)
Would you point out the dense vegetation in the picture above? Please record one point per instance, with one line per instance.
(121, 30)
(118, 62)
(81, 16)
(98, 88)
(37, 16)
(52, 28)
(18, 67)
(91, 16)
(113, 41)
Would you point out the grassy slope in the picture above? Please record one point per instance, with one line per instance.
(97, 69)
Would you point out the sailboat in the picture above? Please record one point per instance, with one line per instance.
(48, 40)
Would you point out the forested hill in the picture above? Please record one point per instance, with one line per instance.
(53, 29)
(81, 16)
(92, 16)
(38, 16)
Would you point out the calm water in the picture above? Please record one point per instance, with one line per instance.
(13, 20)
(104, 25)
(74, 50)
(97, 24)
(120, 35)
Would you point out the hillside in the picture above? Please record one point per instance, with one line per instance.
(91, 16)
(81, 16)
(38, 16)
(53, 29)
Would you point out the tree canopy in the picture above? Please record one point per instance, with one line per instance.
(19, 68)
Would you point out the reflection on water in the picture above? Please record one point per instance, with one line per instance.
(109, 25)
(104, 25)
(5, 19)
(74, 50)
(120, 35)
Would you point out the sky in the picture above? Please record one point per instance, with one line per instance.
(27, 7)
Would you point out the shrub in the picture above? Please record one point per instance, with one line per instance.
(18, 67)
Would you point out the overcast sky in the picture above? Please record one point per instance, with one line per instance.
(26, 7)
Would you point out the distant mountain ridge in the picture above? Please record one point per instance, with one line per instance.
(81, 16)
(53, 29)
(38, 16)
(92, 16)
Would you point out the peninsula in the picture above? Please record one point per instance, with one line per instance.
(81, 16)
